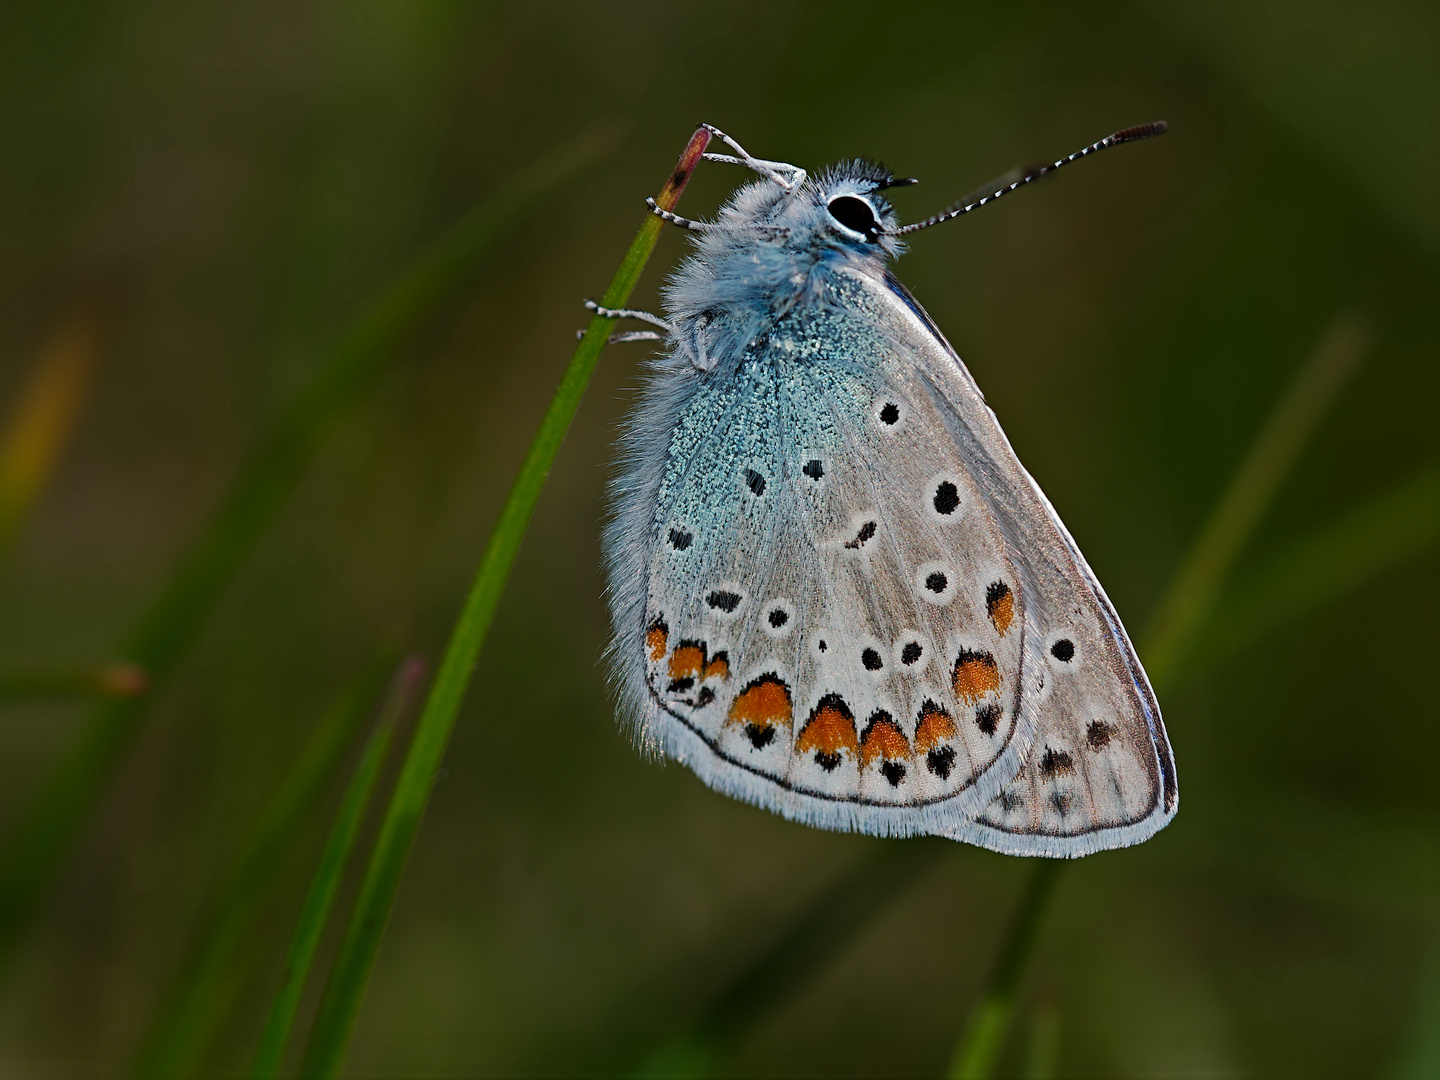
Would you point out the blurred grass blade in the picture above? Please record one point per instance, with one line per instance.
(346, 986)
(1185, 607)
(985, 1030)
(1193, 591)
(196, 998)
(1421, 1059)
(1364, 544)
(118, 679)
(255, 498)
(40, 422)
(817, 934)
(330, 869)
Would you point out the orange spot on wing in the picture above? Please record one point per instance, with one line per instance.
(718, 668)
(1000, 606)
(764, 703)
(830, 729)
(934, 728)
(883, 739)
(975, 675)
(656, 638)
(687, 661)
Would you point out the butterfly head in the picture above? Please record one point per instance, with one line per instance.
(850, 210)
(775, 244)
(842, 212)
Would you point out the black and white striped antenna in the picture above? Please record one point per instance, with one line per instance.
(1131, 134)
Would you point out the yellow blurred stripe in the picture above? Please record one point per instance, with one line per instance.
(39, 425)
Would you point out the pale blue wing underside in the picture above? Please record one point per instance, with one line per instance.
(839, 596)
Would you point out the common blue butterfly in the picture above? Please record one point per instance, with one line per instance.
(835, 591)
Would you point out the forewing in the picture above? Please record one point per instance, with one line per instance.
(1100, 773)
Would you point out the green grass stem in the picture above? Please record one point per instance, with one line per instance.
(345, 988)
(195, 999)
(984, 1033)
(255, 498)
(330, 870)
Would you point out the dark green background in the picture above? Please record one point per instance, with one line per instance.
(239, 179)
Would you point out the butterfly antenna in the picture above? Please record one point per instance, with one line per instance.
(974, 202)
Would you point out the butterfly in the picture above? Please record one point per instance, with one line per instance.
(835, 591)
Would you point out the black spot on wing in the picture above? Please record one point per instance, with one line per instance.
(723, 600)
(1055, 763)
(987, 717)
(864, 536)
(1098, 734)
(947, 498)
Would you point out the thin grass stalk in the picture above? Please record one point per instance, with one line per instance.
(193, 1001)
(329, 871)
(346, 986)
(985, 1030)
(256, 497)
(1195, 588)
(1184, 608)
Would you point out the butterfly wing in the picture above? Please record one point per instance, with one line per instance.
(1100, 773)
(814, 608)
(837, 594)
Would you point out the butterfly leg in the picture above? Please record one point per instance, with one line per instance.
(787, 176)
(675, 219)
(632, 335)
(630, 313)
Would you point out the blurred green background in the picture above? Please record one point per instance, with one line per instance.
(225, 188)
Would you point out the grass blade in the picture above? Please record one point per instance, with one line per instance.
(191, 1006)
(41, 420)
(329, 871)
(346, 986)
(255, 498)
(985, 1030)
(1195, 587)
(1184, 608)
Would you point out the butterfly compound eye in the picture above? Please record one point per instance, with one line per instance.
(855, 214)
